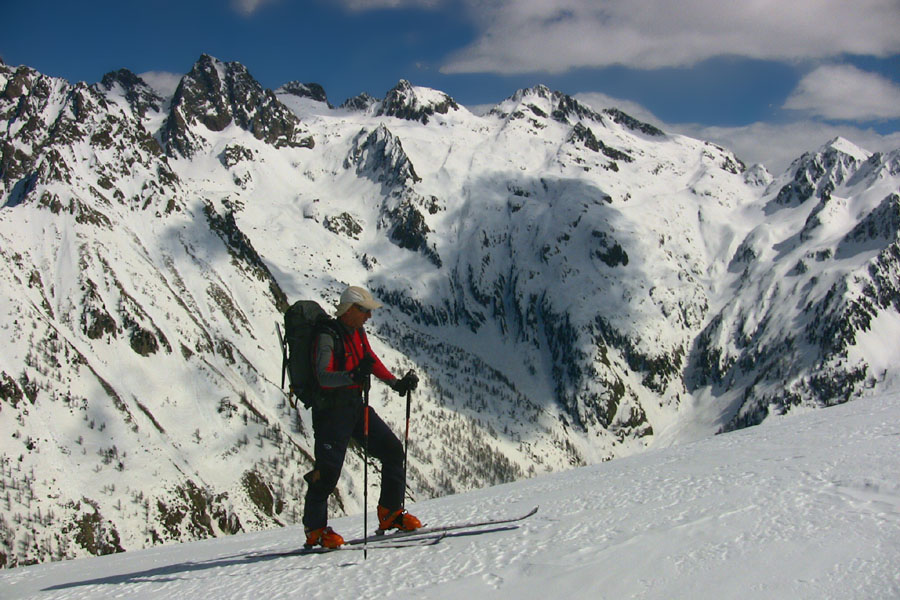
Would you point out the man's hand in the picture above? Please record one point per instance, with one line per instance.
(409, 382)
(362, 371)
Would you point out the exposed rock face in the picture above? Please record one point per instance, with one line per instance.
(818, 174)
(215, 95)
(313, 91)
(415, 104)
(379, 156)
(140, 96)
(360, 103)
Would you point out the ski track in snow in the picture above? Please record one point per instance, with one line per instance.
(806, 506)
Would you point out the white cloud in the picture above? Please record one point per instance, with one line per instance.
(162, 82)
(775, 146)
(537, 35)
(599, 101)
(843, 92)
(361, 5)
(248, 7)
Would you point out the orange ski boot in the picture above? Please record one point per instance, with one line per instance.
(323, 536)
(396, 519)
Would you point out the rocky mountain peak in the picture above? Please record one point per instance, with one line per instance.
(139, 95)
(842, 146)
(626, 120)
(216, 94)
(379, 156)
(540, 91)
(20, 82)
(413, 103)
(817, 174)
(313, 91)
(360, 103)
(541, 103)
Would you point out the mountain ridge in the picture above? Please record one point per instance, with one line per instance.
(572, 285)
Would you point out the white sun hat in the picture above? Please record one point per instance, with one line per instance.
(359, 296)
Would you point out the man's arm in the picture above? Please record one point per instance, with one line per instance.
(324, 364)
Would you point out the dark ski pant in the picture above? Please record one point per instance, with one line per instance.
(334, 425)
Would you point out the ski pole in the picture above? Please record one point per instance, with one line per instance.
(406, 442)
(366, 384)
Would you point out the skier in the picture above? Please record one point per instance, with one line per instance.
(341, 416)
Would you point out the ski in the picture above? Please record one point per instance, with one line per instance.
(379, 539)
(320, 550)
(401, 539)
(380, 546)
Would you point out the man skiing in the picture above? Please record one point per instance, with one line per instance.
(343, 363)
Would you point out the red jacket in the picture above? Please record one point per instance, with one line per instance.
(356, 345)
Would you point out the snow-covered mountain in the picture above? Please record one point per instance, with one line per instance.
(572, 286)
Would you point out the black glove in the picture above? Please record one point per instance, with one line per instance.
(362, 371)
(407, 384)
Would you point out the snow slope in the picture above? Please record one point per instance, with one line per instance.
(802, 506)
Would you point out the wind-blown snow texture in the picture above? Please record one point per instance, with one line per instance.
(572, 286)
(807, 506)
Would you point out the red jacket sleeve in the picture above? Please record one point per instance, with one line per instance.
(378, 369)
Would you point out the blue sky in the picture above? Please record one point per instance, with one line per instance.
(767, 78)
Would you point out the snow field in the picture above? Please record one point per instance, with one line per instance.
(805, 506)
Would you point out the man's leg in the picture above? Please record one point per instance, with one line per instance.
(385, 446)
(332, 427)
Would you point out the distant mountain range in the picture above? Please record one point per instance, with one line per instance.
(571, 284)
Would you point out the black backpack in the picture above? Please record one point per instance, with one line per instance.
(303, 322)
